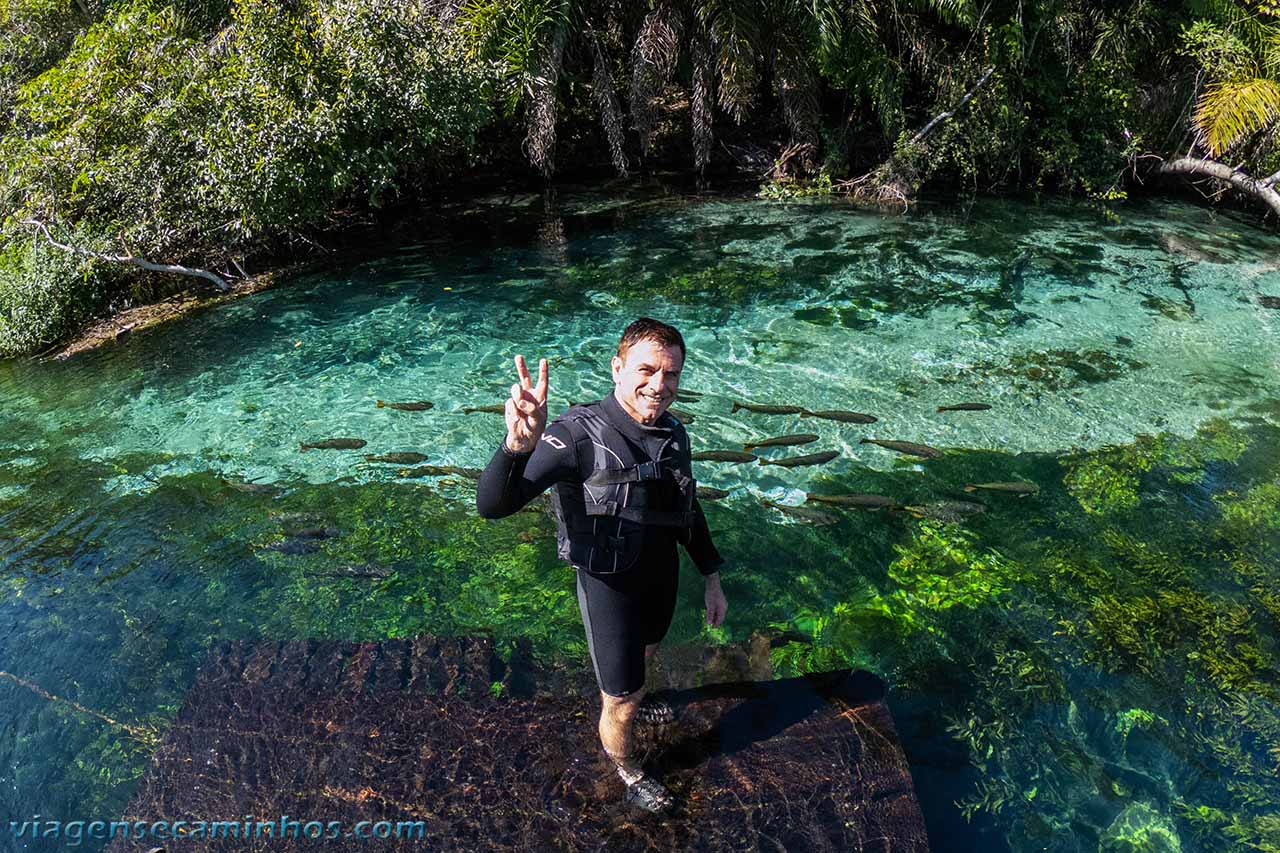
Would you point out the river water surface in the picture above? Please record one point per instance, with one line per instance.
(1091, 667)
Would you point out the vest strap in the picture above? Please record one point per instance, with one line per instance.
(635, 474)
(642, 516)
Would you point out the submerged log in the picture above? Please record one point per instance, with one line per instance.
(480, 755)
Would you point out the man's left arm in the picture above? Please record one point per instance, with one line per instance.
(708, 560)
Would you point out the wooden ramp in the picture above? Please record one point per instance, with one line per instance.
(418, 731)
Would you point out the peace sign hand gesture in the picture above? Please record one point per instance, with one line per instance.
(527, 408)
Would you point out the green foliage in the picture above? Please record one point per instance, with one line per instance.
(33, 35)
(194, 148)
(45, 293)
(1239, 54)
(178, 147)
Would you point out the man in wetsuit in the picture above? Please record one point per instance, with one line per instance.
(624, 496)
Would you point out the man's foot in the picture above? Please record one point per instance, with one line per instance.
(643, 790)
(649, 794)
(655, 712)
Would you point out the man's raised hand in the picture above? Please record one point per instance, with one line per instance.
(527, 408)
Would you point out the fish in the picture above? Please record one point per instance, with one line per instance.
(763, 409)
(415, 406)
(965, 407)
(1021, 488)
(952, 511)
(783, 440)
(907, 447)
(707, 493)
(397, 458)
(317, 533)
(296, 517)
(861, 501)
(723, 456)
(680, 415)
(1269, 301)
(294, 547)
(335, 444)
(252, 488)
(797, 461)
(840, 415)
(440, 471)
(688, 396)
(813, 516)
(497, 409)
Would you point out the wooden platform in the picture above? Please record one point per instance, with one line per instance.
(413, 731)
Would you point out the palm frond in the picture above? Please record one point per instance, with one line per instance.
(540, 90)
(700, 105)
(607, 102)
(735, 38)
(1232, 110)
(1239, 21)
(954, 12)
(514, 34)
(798, 93)
(653, 62)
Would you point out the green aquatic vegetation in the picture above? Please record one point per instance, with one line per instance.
(1137, 718)
(636, 279)
(1252, 520)
(1109, 481)
(849, 317)
(945, 566)
(1049, 370)
(1149, 563)
(1168, 308)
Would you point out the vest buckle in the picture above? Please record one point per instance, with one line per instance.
(648, 471)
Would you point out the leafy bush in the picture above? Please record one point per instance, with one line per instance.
(192, 133)
(45, 294)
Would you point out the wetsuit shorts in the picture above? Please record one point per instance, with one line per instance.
(622, 614)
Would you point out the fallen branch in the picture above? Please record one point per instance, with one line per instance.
(895, 180)
(1262, 190)
(143, 734)
(943, 116)
(218, 281)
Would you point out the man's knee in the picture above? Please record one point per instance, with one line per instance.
(622, 707)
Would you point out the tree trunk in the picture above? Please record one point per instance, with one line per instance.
(1263, 190)
(896, 181)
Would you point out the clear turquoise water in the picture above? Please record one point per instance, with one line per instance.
(122, 555)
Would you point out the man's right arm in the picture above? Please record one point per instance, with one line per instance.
(512, 479)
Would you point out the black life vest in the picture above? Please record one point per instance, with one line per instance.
(600, 524)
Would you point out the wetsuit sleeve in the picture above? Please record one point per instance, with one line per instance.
(511, 480)
(700, 547)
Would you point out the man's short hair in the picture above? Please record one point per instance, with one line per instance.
(649, 329)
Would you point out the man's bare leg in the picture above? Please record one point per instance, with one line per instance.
(618, 717)
(617, 720)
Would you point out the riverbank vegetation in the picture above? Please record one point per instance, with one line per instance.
(222, 136)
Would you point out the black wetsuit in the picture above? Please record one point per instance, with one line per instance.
(625, 611)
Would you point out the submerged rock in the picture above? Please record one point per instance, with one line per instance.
(1140, 829)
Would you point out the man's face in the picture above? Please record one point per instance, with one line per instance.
(645, 380)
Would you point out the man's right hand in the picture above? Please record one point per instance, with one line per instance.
(527, 409)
